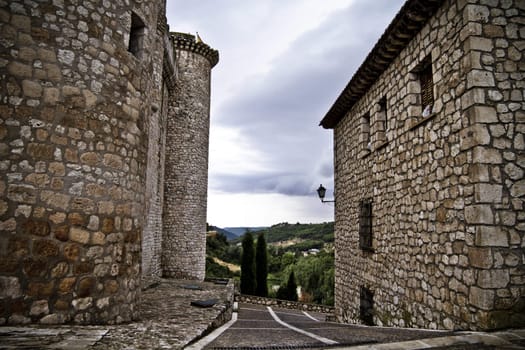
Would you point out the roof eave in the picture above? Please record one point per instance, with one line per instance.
(409, 21)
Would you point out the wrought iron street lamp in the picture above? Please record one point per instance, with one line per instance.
(321, 191)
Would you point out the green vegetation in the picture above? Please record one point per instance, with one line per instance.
(288, 291)
(315, 273)
(305, 232)
(304, 249)
(248, 282)
(261, 267)
(217, 247)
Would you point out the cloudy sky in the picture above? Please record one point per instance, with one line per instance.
(282, 65)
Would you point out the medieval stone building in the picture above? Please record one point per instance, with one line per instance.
(104, 119)
(429, 162)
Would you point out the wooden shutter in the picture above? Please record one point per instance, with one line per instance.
(427, 86)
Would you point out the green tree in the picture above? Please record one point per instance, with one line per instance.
(288, 259)
(315, 275)
(248, 282)
(291, 287)
(261, 267)
(288, 291)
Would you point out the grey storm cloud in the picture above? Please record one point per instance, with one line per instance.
(279, 110)
(288, 184)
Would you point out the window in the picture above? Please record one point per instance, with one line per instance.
(366, 306)
(136, 36)
(381, 124)
(365, 131)
(365, 225)
(427, 87)
(382, 115)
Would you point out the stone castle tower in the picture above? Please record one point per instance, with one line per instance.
(103, 158)
(184, 244)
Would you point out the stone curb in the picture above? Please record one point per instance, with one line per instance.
(499, 339)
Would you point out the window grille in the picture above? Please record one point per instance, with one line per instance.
(366, 307)
(365, 225)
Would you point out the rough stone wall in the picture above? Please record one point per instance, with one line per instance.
(164, 73)
(186, 168)
(74, 106)
(447, 191)
(152, 236)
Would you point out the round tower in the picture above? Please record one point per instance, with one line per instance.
(77, 89)
(186, 174)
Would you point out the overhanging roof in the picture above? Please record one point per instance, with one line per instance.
(406, 24)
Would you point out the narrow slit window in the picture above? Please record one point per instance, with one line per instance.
(365, 225)
(366, 131)
(136, 35)
(382, 110)
(427, 87)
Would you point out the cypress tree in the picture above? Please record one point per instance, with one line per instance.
(290, 290)
(261, 267)
(247, 265)
(291, 287)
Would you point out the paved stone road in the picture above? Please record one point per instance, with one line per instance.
(168, 322)
(256, 328)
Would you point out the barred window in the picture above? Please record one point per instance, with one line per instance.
(366, 307)
(365, 225)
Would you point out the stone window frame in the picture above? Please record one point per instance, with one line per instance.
(422, 85)
(425, 79)
(380, 124)
(365, 225)
(366, 305)
(137, 36)
(365, 135)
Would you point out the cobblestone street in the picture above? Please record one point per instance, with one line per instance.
(259, 328)
(168, 322)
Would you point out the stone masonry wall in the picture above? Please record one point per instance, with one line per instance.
(152, 236)
(74, 106)
(163, 75)
(447, 191)
(186, 169)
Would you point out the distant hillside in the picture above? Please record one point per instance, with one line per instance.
(298, 237)
(283, 232)
(228, 234)
(239, 231)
